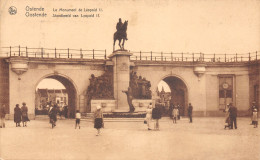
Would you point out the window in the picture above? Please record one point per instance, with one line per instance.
(225, 90)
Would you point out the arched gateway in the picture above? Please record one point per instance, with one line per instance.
(70, 90)
(179, 93)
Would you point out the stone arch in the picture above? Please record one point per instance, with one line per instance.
(70, 87)
(179, 91)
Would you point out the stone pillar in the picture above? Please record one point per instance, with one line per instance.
(121, 60)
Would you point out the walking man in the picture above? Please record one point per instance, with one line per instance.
(233, 115)
(190, 108)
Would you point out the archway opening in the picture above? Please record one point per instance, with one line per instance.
(173, 93)
(58, 90)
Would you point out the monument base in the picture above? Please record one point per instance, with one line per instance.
(141, 104)
(108, 105)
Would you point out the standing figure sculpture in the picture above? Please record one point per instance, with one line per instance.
(120, 34)
(129, 95)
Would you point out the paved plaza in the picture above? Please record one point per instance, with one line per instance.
(204, 139)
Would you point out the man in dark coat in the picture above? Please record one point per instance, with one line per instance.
(233, 115)
(17, 115)
(156, 114)
(53, 114)
(2, 116)
(190, 108)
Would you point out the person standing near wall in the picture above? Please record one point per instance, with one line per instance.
(254, 118)
(190, 108)
(252, 108)
(2, 116)
(233, 115)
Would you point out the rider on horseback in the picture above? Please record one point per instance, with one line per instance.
(119, 28)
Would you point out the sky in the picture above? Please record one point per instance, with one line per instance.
(208, 26)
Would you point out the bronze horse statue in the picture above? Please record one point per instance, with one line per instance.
(119, 35)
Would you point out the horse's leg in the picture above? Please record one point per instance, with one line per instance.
(119, 43)
(123, 44)
(114, 44)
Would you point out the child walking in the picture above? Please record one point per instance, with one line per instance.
(255, 120)
(78, 117)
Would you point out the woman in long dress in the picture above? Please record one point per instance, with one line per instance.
(25, 118)
(149, 116)
(98, 120)
(17, 115)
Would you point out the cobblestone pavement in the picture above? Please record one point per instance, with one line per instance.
(204, 139)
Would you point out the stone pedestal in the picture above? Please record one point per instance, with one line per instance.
(121, 60)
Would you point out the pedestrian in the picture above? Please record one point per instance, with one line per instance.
(65, 110)
(171, 109)
(53, 114)
(25, 118)
(227, 118)
(252, 108)
(78, 117)
(2, 116)
(233, 116)
(175, 114)
(255, 120)
(17, 115)
(190, 108)
(148, 116)
(156, 115)
(179, 107)
(98, 120)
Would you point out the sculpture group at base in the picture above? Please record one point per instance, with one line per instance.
(100, 87)
(140, 87)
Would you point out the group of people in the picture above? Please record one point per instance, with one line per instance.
(21, 115)
(175, 112)
(231, 116)
(98, 118)
(155, 113)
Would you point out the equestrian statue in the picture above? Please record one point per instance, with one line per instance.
(120, 34)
